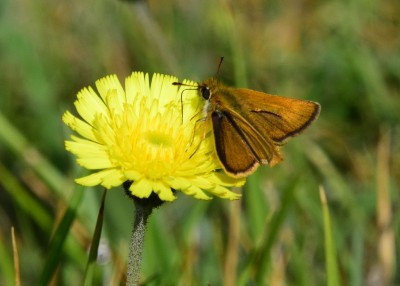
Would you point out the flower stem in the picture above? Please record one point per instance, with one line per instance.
(142, 213)
(143, 209)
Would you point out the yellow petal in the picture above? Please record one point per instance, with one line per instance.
(196, 192)
(164, 192)
(93, 179)
(89, 104)
(81, 127)
(141, 188)
(111, 84)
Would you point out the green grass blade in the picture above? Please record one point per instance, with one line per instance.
(90, 267)
(24, 199)
(18, 144)
(260, 259)
(255, 204)
(264, 255)
(330, 250)
(6, 264)
(57, 242)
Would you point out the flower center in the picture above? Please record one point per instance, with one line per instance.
(158, 139)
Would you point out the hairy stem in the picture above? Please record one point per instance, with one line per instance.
(142, 213)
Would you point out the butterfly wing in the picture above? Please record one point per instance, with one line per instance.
(275, 116)
(239, 147)
(250, 126)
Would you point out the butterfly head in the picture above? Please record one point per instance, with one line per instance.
(205, 92)
(208, 87)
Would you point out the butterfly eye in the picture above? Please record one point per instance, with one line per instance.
(205, 92)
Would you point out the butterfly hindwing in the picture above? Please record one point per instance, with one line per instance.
(233, 151)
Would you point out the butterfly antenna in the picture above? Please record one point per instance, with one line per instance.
(182, 84)
(182, 107)
(219, 67)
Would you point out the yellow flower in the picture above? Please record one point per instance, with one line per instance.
(140, 134)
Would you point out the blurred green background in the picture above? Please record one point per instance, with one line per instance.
(343, 54)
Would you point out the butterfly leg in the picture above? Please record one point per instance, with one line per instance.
(203, 133)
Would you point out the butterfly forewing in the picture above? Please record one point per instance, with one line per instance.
(277, 117)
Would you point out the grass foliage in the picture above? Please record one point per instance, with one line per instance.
(343, 54)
